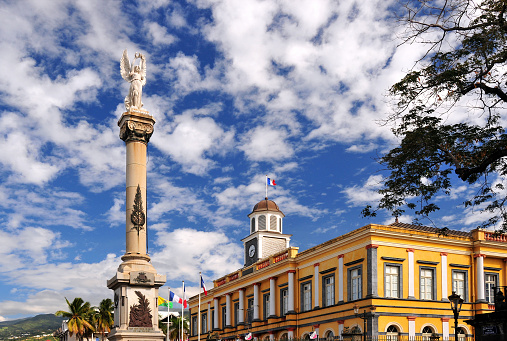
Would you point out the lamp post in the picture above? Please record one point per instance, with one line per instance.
(456, 302)
(364, 317)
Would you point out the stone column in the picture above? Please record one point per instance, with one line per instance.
(411, 274)
(228, 310)
(316, 328)
(272, 296)
(256, 302)
(445, 328)
(316, 284)
(209, 317)
(411, 326)
(443, 261)
(371, 273)
(241, 317)
(271, 336)
(215, 313)
(340, 328)
(481, 291)
(340, 278)
(136, 129)
(290, 292)
(290, 333)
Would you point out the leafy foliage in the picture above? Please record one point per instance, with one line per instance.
(78, 316)
(104, 317)
(448, 110)
(175, 327)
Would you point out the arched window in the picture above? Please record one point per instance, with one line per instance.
(306, 337)
(426, 333)
(272, 223)
(262, 222)
(266, 338)
(461, 334)
(284, 337)
(329, 335)
(252, 226)
(392, 333)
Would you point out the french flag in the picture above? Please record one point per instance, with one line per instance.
(204, 287)
(175, 298)
(271, 182)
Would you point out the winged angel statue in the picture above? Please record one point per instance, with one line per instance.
(136, 76)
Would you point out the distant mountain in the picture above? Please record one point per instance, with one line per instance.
(31, 326)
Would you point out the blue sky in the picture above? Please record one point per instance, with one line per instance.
(240, 89)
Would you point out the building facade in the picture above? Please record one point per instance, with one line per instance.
(397, 276)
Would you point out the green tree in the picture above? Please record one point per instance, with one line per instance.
(447, 111)
(103, 317)
(175, 327)
(78, 317)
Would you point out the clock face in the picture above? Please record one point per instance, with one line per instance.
(251, 250)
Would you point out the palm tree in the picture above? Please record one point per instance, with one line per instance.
(78, 317)
(175, 327)
(104, 317)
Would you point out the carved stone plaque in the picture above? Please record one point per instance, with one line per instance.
(142, 278)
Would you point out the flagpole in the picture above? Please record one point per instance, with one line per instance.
(199, 311)
(182, 305)
(168, 311)
(266, 183)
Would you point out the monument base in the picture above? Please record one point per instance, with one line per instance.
(137, 334)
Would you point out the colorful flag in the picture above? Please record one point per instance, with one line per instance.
(164, 303)
(313, 335)
(204, 287)
(271, 182)
(184, 297)
(175, 298)
(248, 336)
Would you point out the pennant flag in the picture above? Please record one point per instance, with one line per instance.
(164, 303)
(175, 298)
(204, 287)
(271, 182)
(184, 297)
(313, 335)
(248, 336)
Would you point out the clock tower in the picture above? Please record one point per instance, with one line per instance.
(266, 237)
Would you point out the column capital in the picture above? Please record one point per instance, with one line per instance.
(341, 321)
(443, 253)
(411, 318)
(341, 256)
(316, 264)
(273, 277)
(410, 250)
(291, 329)
(241, 289)
(316, 325)
(136, 126)
(445, 319)
(256, 284)
(477, 255)
(371, 246)
(291, 271)
(228, 294)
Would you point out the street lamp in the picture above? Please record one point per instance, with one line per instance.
(456, 302)
(364, 317)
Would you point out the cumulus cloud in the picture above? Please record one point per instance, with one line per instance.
(366, 193)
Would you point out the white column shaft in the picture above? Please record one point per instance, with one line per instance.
(411, 274)
(481, 295)
(256, 302)
(290, 305)
(316, 285)
(215, 313)
(340, 279)
(443, 261)
(272, 296)
(228, 310)
(241, 317)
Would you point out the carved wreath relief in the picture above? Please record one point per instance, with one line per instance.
(137, 217)
(140, 314)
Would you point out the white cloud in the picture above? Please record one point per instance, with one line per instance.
(159, 34)
(266, 144)
(366, 193)
(211, 252)
(193, 140)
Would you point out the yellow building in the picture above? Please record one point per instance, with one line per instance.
(404, 272)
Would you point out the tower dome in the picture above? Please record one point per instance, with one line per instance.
(266, 205)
